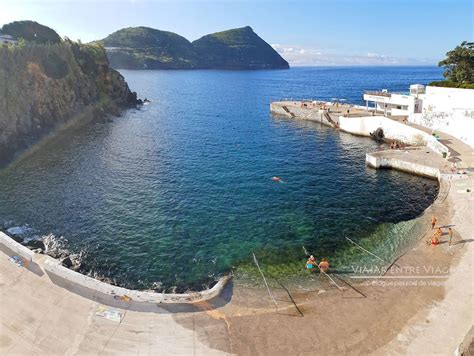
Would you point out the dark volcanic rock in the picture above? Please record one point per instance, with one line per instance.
(66, 262)
(378, 135)
(17, 238)
(35, 244)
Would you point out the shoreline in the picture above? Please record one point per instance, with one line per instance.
(241, 320)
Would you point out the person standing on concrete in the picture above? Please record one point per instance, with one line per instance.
(450, 233)
(433, 222)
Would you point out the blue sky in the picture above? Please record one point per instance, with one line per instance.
(305, 32)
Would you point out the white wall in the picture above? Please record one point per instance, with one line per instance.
(448, 110)
(393, 130)
(446, 99)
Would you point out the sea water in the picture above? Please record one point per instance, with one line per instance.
(179, 192)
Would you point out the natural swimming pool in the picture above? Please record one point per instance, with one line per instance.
(179, 192)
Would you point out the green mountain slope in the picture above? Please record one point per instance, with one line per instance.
(31, 31)
(148, 48)
(239, 48)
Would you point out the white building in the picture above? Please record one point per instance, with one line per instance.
(395, 104)
(7, 39)
(450, 110)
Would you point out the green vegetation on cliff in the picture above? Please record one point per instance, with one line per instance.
(44, 86)
(31, 31)
(459, 67)
(240, 48)
(147, 48)
(144, 47)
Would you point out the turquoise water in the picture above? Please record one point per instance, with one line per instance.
(175, 194)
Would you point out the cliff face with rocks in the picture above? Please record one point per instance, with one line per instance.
(43, 87)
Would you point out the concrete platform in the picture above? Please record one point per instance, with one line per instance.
(422, 161)
(42, 318)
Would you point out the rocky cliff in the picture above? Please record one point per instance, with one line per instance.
(45, 86)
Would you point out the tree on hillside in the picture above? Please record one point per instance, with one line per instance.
(459, 64)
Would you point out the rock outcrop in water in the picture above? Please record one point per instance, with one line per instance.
(148, 48)
(46, 84)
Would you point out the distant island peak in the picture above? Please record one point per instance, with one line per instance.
(148, 48)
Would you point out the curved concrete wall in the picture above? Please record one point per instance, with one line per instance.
(17, 248)
(393, 130)
(377, 161)
(53, 267)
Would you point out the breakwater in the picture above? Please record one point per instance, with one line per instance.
(94, 288)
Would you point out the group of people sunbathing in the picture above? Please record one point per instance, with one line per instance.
(311, 263)
(395, 145)
(435, 237)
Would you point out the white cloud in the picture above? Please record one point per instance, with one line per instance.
(298, 55)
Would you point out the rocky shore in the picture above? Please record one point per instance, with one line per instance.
(45, 86)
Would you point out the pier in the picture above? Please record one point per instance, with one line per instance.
(424, 155)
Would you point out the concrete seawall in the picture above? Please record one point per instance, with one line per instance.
(291, 110)
(16, 248)
(386, 159)
(392, 129)
(88, 286)
(357, 122)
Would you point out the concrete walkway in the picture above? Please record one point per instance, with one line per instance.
(460, 152)
(39, 317)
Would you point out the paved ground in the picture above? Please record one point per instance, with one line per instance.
(39, 317)
(418, 155)
(460, 152)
